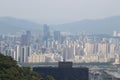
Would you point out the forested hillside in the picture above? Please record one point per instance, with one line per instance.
(9, 70)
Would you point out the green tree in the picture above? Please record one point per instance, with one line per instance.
(49, 78)
(9, 70)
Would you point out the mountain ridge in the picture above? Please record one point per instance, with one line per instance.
(12, 25)
(105, 25)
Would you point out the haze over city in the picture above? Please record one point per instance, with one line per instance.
(59, 11)
(59, 39)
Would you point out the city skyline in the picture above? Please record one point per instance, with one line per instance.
(61, 46)
(60, 39)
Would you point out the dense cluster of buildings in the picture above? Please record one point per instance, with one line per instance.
(58, 46)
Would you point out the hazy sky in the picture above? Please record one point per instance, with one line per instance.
(59, 11)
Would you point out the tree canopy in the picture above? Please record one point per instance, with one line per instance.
(9, 70)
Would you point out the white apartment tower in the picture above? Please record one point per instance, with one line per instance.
(17, 53)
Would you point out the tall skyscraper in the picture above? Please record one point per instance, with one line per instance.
(57, 36)
(46, 32)
(26, 39)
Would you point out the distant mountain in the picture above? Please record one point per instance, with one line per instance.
(106, 25)
(11, 25)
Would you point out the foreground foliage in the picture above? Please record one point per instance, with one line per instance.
(9, 70)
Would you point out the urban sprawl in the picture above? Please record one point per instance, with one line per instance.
(58, 46)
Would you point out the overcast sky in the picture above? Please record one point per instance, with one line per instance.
(59, 11)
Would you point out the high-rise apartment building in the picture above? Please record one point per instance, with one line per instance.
(25, 52)
(36, 58)
(57, 36)
(10, 52)
(17, 53)
(89, 48)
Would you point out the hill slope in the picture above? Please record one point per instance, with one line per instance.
(106, 25)
(11, 25)
(9, 70)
